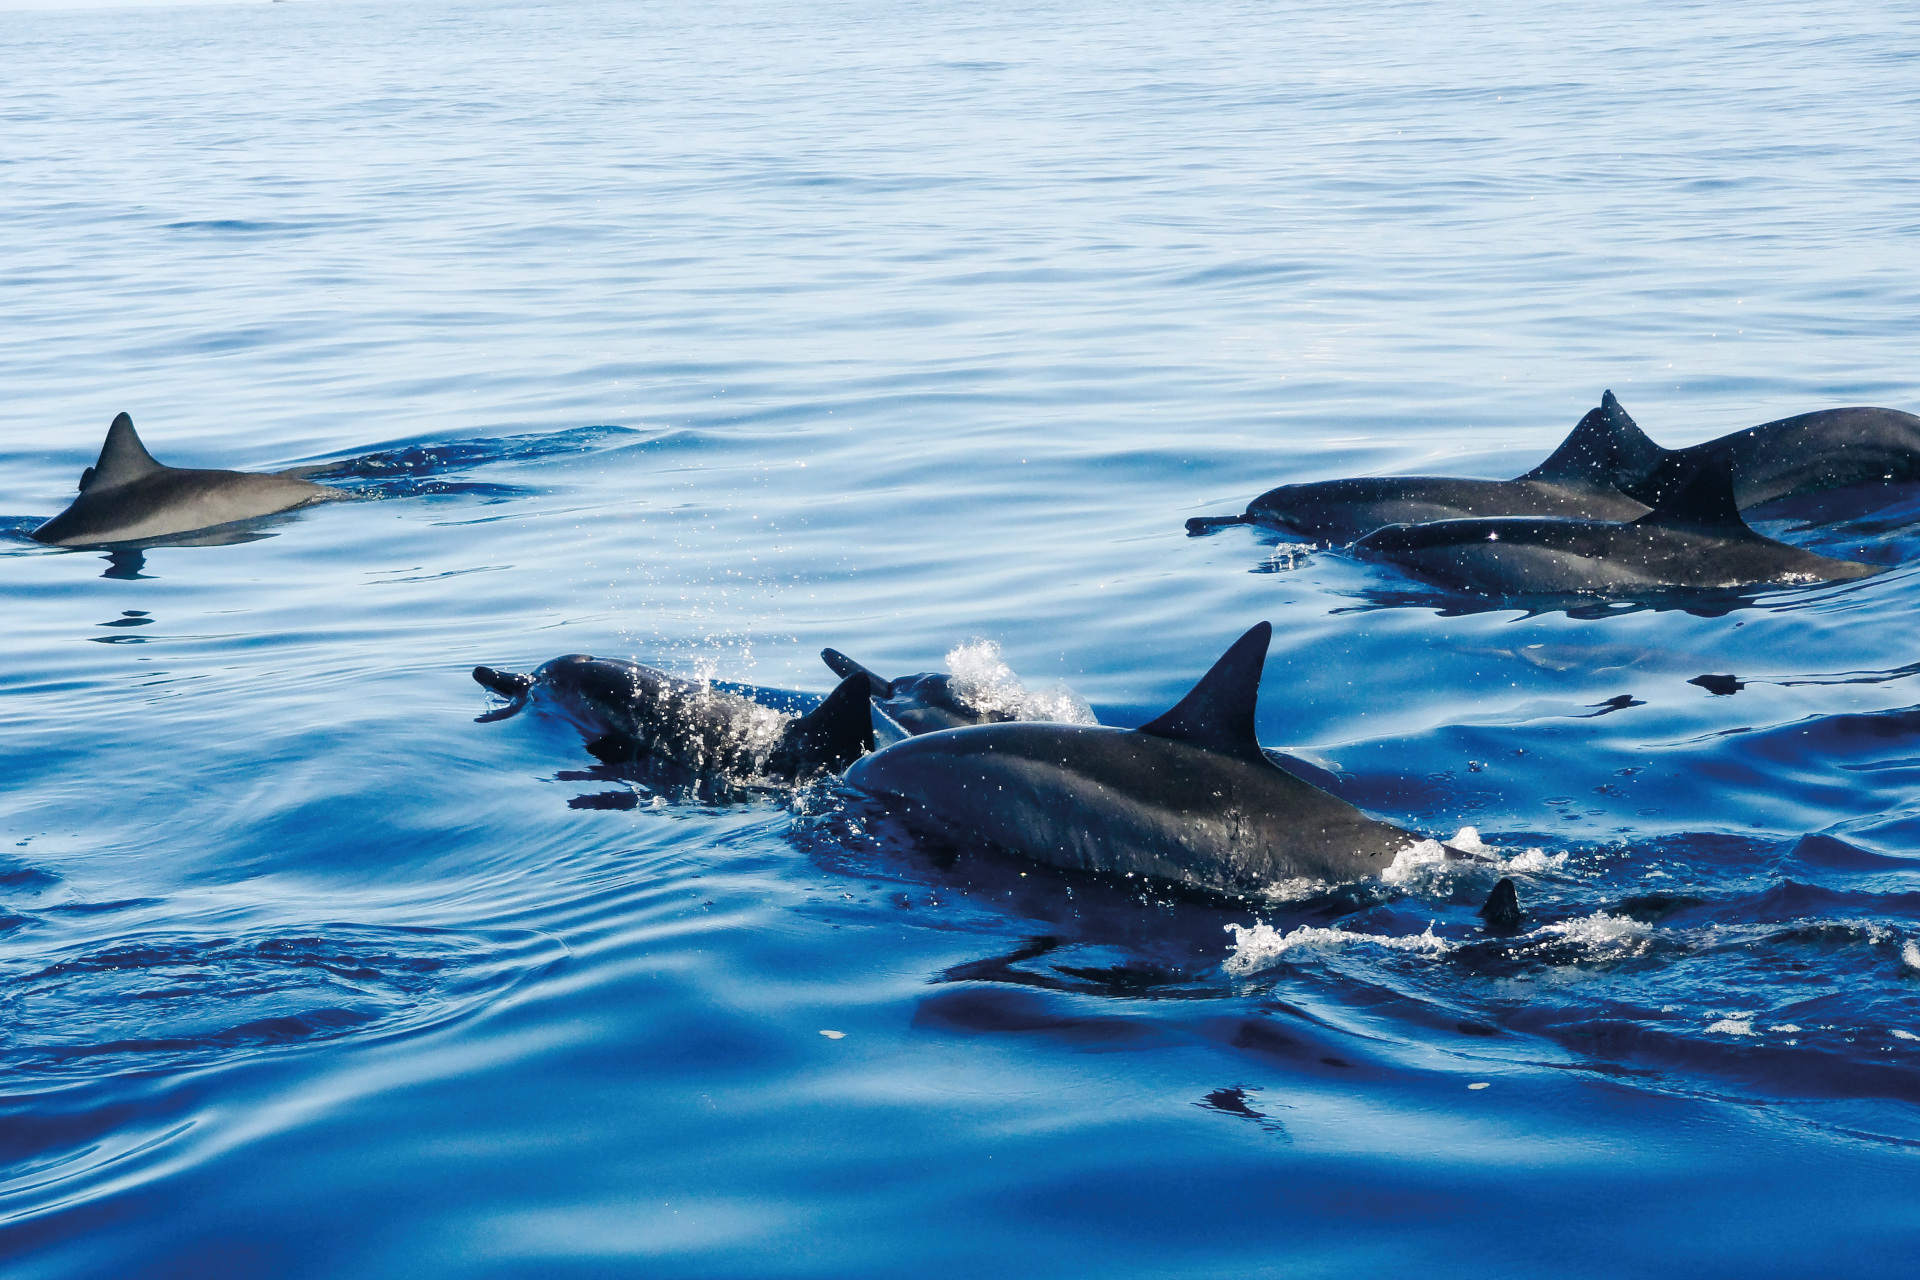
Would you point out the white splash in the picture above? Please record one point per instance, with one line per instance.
(1910, 954)
(1298, 889)
(1259, 945)
(1905, 1035)
(982, 680)
(1427, 860)
(1602, 932)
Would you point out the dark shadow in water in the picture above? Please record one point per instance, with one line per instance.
(644, 780)
(126, 565)
(414, 469)
(1237, 1100)
(1129, 976)
(1722, 685)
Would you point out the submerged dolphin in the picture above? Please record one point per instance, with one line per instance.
(1576, 480)
(1694, 539)
(625, 710)
(126, 496)
(1189, 797)
(1805, 454)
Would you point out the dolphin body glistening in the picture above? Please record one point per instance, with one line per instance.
(625, 711)
(1578, 480)
(1695, 539)
(1188, 798)
(126, 496)
(1805, 454)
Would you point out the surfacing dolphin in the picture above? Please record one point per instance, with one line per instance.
(126, 496)
(923, 703)
(1188, 798)
(1695, 539)
(625, 711)
(1805, 454)
(1576, 481)
(935, 700)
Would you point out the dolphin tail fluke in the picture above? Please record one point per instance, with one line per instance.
(122, 458)
(843, 666)
(1502, 912)
(508, 684)
(1606, 448)
(834, 734)
(1703, 503)
(1217, 713)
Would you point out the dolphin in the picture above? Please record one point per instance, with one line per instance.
(1694, 539)
(126, 496)
(625, 710)
(1577, 480)
(1189, 797)
(1805, 454)
(922, 703)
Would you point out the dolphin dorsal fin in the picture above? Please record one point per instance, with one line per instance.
(1703, 503)
(1607, 447)
(1217, 713)
(122, 458)
(843, 666)
(839, 730)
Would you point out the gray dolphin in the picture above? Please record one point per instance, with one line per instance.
(1189, 797)
(625, 710)
(1576, 481)
(923, 703)
(1694, 539)
(126, 496)
(1805, 454)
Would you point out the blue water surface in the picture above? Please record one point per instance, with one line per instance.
(711, 334)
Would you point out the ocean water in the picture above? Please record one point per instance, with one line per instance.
(709, 335)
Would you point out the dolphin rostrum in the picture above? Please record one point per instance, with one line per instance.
(1189, 797)
(1577, 480)
(1805, 454)
(126, 496)
(625, 710)
(1694, 539)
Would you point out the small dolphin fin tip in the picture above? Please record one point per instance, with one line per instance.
(122, 458)
(843, 666)
(1217, 713)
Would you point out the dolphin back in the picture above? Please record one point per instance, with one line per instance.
(1189, 797)
(128, 496)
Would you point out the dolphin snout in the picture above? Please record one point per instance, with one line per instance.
(508, 684)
